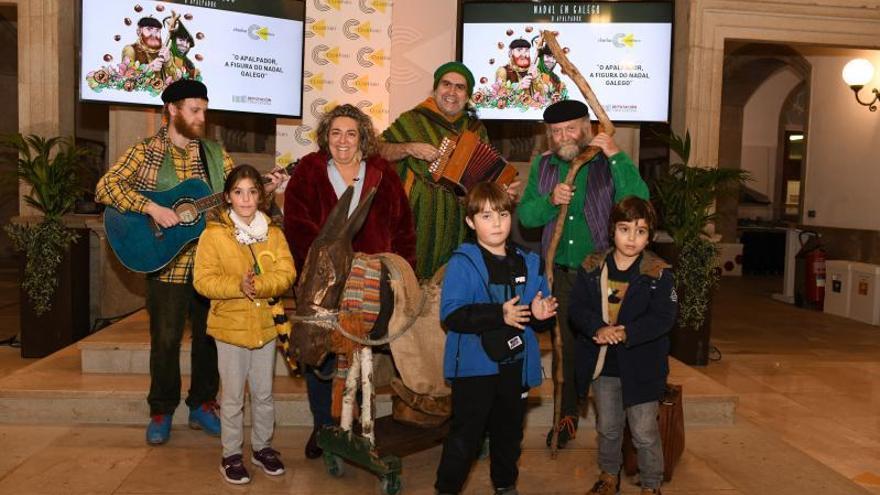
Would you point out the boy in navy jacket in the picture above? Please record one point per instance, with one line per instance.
(623, 305)
(493, 294)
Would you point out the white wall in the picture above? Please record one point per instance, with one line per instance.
(761, 129)
(843, 155)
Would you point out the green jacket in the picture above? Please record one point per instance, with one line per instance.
(535, 209)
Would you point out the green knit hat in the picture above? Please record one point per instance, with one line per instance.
(455, 67)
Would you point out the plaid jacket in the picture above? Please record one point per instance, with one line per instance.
(137, 170)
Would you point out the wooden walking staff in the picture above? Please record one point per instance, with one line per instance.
(549, 39)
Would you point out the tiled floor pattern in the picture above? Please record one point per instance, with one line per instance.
(807, 386)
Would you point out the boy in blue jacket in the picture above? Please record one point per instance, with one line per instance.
(623, 305)
(493, 295)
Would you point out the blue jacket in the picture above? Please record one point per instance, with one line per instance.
(648, 312)
(465, 282)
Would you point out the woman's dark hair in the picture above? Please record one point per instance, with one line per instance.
(368, 144)
(245, 171)
(631, 209)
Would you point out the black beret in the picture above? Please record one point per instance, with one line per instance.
(545, 50)
(520, 43)
(149, 22)
(184, 88)
(565, 110)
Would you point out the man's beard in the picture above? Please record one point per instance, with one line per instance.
(570, 149)
(186, 130)
(154, 42)
(522, 62)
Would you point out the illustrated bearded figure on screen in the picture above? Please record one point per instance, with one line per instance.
(519, 71)
(524, 83)
(147, 49)
(154, 60)
(181, 42)
(548, 82)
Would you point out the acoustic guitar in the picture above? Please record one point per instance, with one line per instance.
(141, 245)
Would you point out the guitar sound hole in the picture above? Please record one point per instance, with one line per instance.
(187, 212)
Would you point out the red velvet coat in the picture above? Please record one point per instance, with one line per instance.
(309, 197)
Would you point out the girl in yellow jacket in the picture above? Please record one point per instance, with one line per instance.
(240, 264)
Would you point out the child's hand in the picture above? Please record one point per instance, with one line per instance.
(515, 315)
(247, 285)
(544, 307)
(609, 335)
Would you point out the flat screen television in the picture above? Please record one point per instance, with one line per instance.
(623, 49)
(249, 53)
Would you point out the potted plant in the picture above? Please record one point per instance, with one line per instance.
(686, 196)
(51, 167)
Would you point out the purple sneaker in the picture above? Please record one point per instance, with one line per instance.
(233, 470)
(268, 460)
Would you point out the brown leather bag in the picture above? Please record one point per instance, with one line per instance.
(671, 423)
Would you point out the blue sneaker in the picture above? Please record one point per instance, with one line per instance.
(205, 418)
(159, 429)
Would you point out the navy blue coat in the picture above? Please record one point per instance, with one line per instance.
(648, 312)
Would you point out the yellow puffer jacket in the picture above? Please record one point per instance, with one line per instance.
(221, 262)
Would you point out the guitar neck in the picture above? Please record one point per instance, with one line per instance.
(209, 202)
(216, 199)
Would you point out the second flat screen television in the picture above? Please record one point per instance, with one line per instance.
(623, 49)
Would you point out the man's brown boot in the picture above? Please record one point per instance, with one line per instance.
(607, 484)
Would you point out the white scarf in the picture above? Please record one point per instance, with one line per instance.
(257, 231)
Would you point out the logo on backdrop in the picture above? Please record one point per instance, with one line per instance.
(381, 6)
(352, 83)
(318, 28)
(354, 29)
(298, 135)
(324, 6)
(323, 55)
(367, 57)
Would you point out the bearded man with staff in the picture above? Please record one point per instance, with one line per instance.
(570, 192)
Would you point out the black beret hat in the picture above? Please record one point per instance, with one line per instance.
(520, 43)
(565, 110)
(184, 88)
(149, 22)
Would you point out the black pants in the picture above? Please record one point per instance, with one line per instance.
(494, 403)
(563, 282)
(169, 305)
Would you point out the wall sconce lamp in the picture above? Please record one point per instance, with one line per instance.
(856, 74)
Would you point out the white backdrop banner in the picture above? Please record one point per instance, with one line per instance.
(347, 60)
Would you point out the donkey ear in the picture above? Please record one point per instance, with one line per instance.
(357, 219)
(336, 220)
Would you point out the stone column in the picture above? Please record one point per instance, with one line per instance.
(46, 71)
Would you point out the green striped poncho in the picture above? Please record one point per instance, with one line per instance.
(437, 212)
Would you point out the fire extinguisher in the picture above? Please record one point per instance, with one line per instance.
(812, 261)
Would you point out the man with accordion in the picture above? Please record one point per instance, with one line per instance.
(416, 142)
(601, 183)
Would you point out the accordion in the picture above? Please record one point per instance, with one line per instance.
(466, 161)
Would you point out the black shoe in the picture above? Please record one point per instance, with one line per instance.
(567, 427)
(312, 449)
(510, 490)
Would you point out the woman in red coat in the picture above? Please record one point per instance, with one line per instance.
(347, 156)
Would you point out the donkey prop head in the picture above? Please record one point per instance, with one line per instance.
(323, 278)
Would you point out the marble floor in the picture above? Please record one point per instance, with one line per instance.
(806, 424)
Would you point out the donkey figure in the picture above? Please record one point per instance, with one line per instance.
(323, 277)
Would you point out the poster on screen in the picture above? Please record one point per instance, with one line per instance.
(249, 53)
(623, 49)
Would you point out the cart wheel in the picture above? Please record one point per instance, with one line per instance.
(391, 484)
(334, 465)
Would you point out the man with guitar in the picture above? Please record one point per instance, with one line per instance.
(176, 153)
